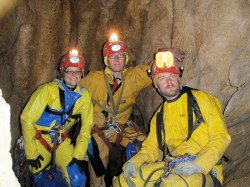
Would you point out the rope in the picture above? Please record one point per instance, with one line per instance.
(151, 174)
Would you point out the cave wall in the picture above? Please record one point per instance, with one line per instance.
(214, 35)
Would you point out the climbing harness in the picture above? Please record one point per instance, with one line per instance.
(192, 105)
(110, 125)
(169, 162)
(111, 98)
(53, 175)
(57, 138)
(75, 129)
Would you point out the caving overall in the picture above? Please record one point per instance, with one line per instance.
(112, 109)
(46, 121)
(195, 131)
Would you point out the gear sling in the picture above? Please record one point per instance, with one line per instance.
(192, 106)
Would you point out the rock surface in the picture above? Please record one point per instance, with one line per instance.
(215, 36)
(7, 175)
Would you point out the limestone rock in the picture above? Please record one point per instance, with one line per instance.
(215, 36)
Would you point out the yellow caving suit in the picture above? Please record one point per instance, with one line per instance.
(134, 79)
(34, 116)
(209, 141)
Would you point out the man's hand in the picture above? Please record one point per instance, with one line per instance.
(187, 168)
(36, 163)
(130, 171)
(178, 53)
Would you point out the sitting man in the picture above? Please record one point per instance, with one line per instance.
(188, 127)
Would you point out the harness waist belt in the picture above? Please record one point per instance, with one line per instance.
(98, 130)
(39, 137)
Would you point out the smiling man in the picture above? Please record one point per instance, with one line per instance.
(51, 112)
(114, 91)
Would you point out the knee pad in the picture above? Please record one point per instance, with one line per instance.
(77, 178)
(49, 178)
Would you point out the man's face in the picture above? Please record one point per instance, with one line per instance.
(168, 84)
(116, 62)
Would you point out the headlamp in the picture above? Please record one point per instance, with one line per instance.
(73, 56)
(164, 59)
(113, 38)
(73, 52)
(115, 46)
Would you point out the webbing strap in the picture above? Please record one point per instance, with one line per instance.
(160, 127)
(192, 106)
(62, 101)
(203, 180)
(42, 140)
(115, 87)
(62, 98)
(100, 133)
(39, 137)
(215, 180)
(75, 129)
(48, 110)
(119, 138)
(190, 113)
(110, 111)
(114, 106)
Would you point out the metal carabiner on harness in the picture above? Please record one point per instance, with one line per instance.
(115, 128)
(108, 133)
(130, 123)
(55, 135)
(52, 134)
(108, 130)
(111, 126)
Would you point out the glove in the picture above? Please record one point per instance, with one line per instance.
(36, 163)
(187, 168)
(79, 163)
(130, 171)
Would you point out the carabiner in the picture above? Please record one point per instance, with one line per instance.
(115, 128)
